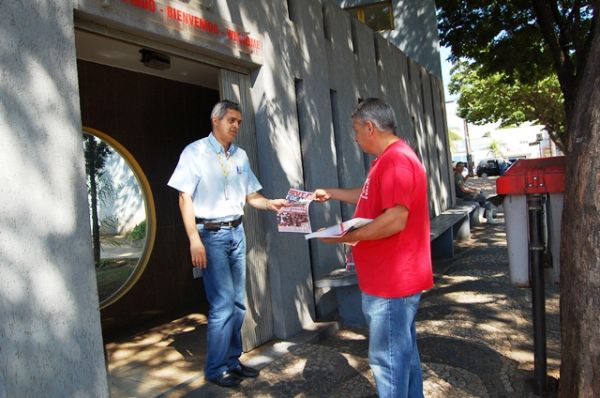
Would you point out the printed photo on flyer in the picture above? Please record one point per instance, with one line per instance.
(295, 217)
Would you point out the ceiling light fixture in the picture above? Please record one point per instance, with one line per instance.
(155, 60)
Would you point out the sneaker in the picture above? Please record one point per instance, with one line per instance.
(479, 217)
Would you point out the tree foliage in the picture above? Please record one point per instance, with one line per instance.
(497, 98)
(527, 41)
(495, 149)
(454, 137)
(521, 42)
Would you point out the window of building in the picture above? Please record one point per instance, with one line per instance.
(378, 16)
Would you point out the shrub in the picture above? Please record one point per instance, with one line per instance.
(138, 232)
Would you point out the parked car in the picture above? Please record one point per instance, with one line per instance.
(492, 167)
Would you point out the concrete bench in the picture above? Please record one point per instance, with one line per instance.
(452, 224)
(347, 294)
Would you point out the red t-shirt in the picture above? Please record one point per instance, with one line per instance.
(399, 265)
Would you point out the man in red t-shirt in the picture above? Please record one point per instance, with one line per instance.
(392, 256)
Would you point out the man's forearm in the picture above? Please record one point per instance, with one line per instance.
(348, 195)
(197, 250)
(391, 222)
(258, 201)
(387, 224)
(189, 218)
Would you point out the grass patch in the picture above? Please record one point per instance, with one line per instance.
(112, 274)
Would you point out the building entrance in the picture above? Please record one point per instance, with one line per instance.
(153, 104)
(153, 117)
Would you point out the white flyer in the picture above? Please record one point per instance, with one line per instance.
(294, 217)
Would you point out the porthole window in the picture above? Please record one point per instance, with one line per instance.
(122, 215)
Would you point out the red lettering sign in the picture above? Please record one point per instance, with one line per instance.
(185, 18)
(243, 39)
(148, 5)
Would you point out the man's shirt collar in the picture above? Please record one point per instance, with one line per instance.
(218, 148)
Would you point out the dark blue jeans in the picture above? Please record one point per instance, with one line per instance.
(393, 353)
(224, 281)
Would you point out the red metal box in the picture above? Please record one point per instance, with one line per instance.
(528, 176)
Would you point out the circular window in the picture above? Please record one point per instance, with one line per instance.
(122, 215)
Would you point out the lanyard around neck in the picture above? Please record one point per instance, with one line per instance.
(222, 158)
(224, 163)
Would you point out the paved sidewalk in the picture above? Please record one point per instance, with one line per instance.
(475, 338)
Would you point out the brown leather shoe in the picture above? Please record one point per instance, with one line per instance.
(227, 379)
(245, 371)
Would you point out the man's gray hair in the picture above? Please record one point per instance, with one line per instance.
(220, 109)
(378, 112)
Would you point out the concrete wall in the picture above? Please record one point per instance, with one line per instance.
(280, 164)
(415, 30)
(50, 340)
(416, 34)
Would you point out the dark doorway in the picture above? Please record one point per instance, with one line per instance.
(154, 118)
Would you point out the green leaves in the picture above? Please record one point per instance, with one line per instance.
(525, 58)
(488, 98)
(498, 35)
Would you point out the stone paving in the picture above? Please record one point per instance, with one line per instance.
(475, 338)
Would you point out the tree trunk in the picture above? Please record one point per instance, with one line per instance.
(95, 221)
(91, 157)
(580, 246)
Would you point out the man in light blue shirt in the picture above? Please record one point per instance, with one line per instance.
(215, 181)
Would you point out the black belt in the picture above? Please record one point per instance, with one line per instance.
(214, 225)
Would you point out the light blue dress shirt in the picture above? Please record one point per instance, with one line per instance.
(218, 182)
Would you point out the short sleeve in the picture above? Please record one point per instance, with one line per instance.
(458, 180)
(252, 183)
(185, 177)
(397, 183)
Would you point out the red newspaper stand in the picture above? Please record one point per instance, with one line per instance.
(533, 209)
(544, 176)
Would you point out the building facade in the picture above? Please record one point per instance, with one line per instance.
(410, 25)
(143, 75)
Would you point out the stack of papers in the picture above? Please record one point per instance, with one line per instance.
(335, 231)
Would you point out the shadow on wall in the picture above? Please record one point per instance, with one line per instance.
(48, 301)
(417, 34)
(415, 30)
(279, 161)
(305, 58)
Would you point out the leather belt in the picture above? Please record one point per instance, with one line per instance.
(216, 225)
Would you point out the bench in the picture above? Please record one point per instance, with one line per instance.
(347, 295)
(452, 224)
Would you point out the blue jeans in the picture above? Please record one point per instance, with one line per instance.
(224, 281)
(479, 198)
(393, 353)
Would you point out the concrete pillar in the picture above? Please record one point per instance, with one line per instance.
(50, 336)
